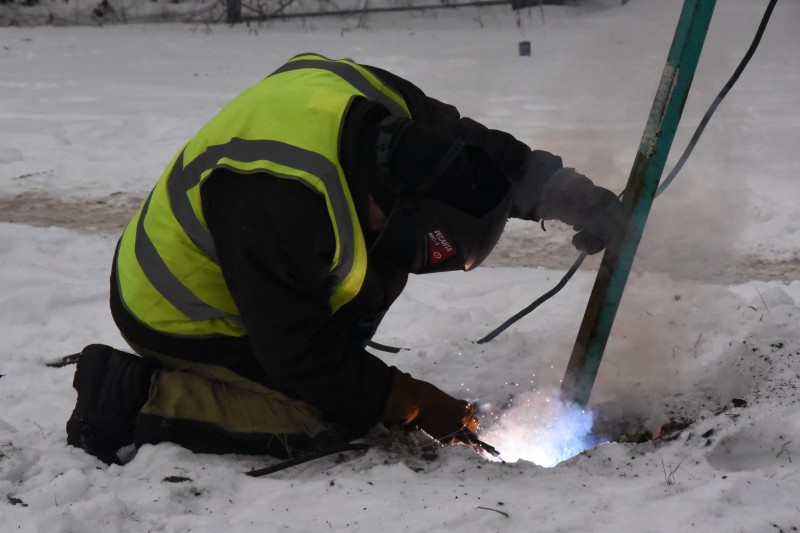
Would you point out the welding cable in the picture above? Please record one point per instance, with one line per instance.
(464, 435)
(385, 347)
(662, 187)
(542, 299)
(718, 99)
(283, 465)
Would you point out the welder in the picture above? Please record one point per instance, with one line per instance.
(252, 277)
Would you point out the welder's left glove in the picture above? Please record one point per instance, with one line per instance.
(595, 212)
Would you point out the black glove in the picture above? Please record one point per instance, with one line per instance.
(595, 212)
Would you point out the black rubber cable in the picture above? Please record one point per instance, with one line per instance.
(678, 166)
(702, 126)
(384, 347)
(350, 446)
(542, 299)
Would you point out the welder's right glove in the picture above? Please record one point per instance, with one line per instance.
(417, 404)
(595, 212)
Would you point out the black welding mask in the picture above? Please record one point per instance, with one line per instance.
(447, 202)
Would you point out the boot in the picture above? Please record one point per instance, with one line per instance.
(112, 388)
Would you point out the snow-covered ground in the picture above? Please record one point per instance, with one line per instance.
(89, 117)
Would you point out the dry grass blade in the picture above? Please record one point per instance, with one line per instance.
(498, 511)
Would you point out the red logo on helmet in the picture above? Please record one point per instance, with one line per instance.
(440, 248)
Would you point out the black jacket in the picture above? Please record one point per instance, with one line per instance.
(274, 241)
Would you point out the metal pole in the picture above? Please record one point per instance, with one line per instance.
(638, 199)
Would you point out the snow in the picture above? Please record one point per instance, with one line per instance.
(90, 116)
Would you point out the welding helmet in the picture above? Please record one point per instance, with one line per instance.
(447, 202)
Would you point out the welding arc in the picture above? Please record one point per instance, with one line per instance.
(661, 188)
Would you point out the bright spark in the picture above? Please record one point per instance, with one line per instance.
(542, 429)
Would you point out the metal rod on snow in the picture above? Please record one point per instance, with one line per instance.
(640, 192)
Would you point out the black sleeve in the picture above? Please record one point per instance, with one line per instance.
(527, 170)
(424, 109)
(275, 242)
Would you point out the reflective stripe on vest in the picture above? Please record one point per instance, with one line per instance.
(182, 189)
(352, 75)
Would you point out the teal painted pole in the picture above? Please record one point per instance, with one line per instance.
(638, 199)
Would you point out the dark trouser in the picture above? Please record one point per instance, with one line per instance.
(210, 409)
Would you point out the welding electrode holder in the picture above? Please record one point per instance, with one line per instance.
(469, 437)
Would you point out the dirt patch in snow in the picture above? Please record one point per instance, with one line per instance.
(104, 215)
(517, 247)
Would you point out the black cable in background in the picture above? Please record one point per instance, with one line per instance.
(662, 187)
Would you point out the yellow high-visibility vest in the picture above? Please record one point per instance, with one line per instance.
(288, 126)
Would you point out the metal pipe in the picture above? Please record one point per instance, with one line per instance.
(642, 184)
